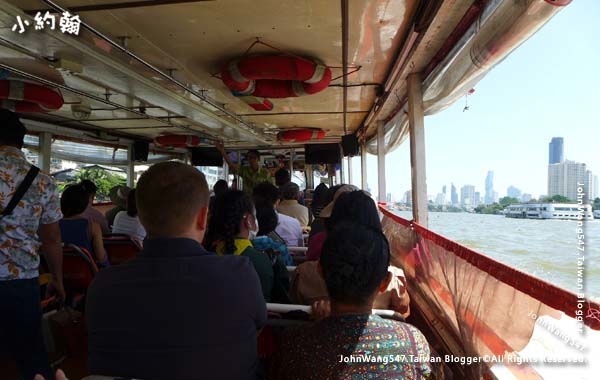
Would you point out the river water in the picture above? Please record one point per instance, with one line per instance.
(547, 249)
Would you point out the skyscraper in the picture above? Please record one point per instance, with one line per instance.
(477, 199)
(513, 192)
(555, 151)
(596, 189)
(467, 195)
(566, 177)
(408, 198)
(489, 188)
(453, 194)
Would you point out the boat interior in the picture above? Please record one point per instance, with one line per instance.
(138, 71)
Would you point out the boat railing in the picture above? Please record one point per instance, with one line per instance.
(477, 306)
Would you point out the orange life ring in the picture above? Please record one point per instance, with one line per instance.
(179, 141)
(21, 96)
(301, 134)
(275, 76)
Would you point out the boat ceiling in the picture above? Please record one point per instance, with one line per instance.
(191, 40)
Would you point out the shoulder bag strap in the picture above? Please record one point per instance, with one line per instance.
(21, 190)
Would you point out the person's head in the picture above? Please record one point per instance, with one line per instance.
(253, 158)
(118, 195)
(355, 206)
(220, 187)
(282, 176)
(234, 217)
(332, 195)
(318, 198)
(12, 131)
(172, 201)
(265, 193)
(131, 204)
(267, 219)
(290, 191)
(354, 263)
(90, 188)
(74, 200)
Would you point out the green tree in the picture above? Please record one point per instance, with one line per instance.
(556, 199)
(507, 201)
(104, 180)
(495, 208)
(596, 205)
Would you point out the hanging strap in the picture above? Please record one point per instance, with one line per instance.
(23, 187)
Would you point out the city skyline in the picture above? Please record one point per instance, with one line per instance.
(513, 114)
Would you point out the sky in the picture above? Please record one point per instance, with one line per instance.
(548, 87)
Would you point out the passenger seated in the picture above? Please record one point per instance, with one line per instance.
(318, 199)
(75, 228)
(176, 311)
(354, 264)
(318, 225)
(90, 212)
(288, 229)
(318, 233)
(290, 206)
(267, 221)
(127, 222)
(118, 196)
(282, 178)
(234, 225)
(309, 286)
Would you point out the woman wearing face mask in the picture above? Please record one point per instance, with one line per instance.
(233, 224)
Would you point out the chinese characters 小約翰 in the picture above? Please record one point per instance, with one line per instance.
(67, 23)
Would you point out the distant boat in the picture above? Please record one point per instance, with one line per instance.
(569, 211)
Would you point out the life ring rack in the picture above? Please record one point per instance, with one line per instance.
(301, 134)
(19, 96)
(275, 76)
(179, 141)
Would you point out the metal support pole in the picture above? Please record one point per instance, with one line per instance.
(381, 160)
(350, 170)
(416, 120)
(45, 151)
(342, 171)
(363, 166)
(130, 167)
(309, 176)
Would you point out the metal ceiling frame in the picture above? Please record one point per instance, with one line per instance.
(243, 126)
(126, 5)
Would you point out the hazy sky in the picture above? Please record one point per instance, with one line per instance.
(548, 87)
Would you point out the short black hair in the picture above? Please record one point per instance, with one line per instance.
(265, 193)
(318, 196)
(354, 206)
(12, 131)
(267, 219)
(74, 200)
(220, 187)
(290, 191)
(355, 261)
(282, 176)
(89, 186)
(253, 152)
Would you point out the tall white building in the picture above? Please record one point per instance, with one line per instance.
(564, 177)
(467, 195)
